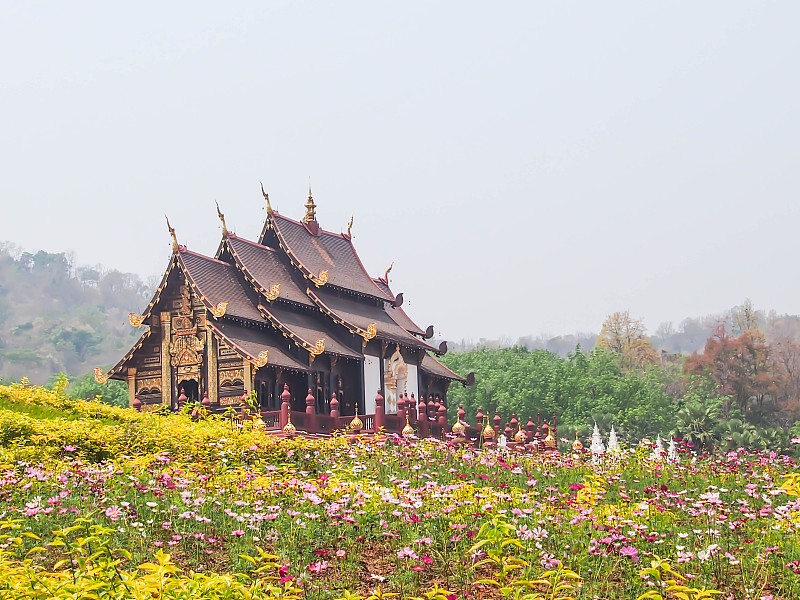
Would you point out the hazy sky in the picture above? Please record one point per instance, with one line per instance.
(529, 167)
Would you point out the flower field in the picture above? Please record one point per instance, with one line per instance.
(108, 503)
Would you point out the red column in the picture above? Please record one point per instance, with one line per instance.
(334, 406)
(311, 411)
(380, 412)
(423, 417)
(286, 398)
(442, 418)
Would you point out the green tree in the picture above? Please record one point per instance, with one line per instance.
(85, 387)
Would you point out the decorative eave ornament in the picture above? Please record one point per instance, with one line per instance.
(266, 197)
(321, 279)
(172, 233)
(371, 332)
(262, 359)
(318, 347)
(219, 310)
(350, 226)
(273, 293)
(386, 274)
(221, 218)
(136, 320)
(100, 377)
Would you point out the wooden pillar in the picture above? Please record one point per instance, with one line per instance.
(248, 375)
(380, 412)
(276, 398)
(131, 386)
(311, 411)
(166, 367)
(212, 379)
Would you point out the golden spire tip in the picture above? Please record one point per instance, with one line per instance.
(266, 197)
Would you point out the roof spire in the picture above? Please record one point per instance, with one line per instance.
(266, 197)
(311, 214)
(221, 218)
(386, 275)
(350, 225)
(172, 233)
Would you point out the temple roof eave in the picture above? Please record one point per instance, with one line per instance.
(324, 344)
(282, 286)
(366, 286)
(401, 317)
(275, 357)
(432, 366)
(372, 330)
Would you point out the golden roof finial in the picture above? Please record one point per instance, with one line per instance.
(311, 214)
(350, 225)
(386, 275)
(221, 218)
(356, 424)
(172, 233)
(266, 197)
(408, 430)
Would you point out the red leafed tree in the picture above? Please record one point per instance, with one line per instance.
(786, 358)
(741, 367)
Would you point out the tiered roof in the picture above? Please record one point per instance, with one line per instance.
(300, 283)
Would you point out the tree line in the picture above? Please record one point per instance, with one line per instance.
(741, 390)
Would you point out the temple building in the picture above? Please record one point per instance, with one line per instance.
(294, 311)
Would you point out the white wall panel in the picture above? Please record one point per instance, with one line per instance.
(372, 383)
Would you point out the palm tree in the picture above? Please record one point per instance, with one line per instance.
(735, 433)
(695, 424)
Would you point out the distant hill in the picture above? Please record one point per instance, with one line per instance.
(689, 336)
(58, 317)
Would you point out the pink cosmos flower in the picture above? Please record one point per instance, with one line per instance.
(237, 532)
(407, 553)
(630, 552)
(114, 512)
(318, 567)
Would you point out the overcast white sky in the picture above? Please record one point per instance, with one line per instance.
(529, 167)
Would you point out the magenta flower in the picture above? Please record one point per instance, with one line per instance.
(631, 552)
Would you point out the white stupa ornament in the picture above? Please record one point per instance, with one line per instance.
(613, 444)
(597, 448)
(672, 451)
(658, 451)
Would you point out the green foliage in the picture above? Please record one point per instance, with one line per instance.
(580, 390)
(112, 392)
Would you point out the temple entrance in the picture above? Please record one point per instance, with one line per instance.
(190, 388)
